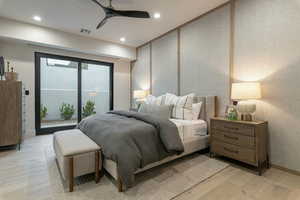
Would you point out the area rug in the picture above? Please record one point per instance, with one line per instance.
(161, 183)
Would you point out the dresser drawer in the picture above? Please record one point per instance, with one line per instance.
(233, 128)
(235, 152)
(232, 138)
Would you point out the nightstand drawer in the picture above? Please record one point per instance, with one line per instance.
(234, 128)
(233, 151)
(232, 138)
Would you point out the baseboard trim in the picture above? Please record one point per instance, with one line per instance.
(295, 172)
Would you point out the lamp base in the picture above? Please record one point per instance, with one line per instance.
(246, 117)
(246, 108)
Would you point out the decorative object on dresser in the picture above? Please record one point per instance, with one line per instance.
(246, 91)
(10, 113)
(10, 75)
(241, 140)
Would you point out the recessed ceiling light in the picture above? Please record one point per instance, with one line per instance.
(122, 39)
(37, 18)
(156, 15)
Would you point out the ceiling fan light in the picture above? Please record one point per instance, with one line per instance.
(122, 39)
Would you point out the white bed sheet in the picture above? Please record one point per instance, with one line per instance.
(190, 129)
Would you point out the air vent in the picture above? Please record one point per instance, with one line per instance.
(85, 31)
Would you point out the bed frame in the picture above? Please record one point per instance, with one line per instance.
(208, 110)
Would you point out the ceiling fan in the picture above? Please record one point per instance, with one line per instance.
(111, 12)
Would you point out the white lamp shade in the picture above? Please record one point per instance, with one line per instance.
(140, 94)
(247, 90)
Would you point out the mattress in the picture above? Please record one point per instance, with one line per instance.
(190, 129)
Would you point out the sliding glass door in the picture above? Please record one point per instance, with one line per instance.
(69, 89)
(95, 89)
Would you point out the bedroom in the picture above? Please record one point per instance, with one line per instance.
(196, 48)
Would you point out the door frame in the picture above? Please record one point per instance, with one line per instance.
(38, 56)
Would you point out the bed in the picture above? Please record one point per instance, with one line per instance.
(194, 135)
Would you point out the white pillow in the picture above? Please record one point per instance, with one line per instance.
(152, 100)
(196, 109)
(182, 105)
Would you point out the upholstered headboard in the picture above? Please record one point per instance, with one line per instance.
(208, 109)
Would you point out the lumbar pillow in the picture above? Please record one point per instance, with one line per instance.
(182, 105)
(162, 111)
(196, 109)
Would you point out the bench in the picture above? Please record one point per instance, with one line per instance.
(76, 155)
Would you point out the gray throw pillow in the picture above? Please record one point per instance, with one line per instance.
(163, 111)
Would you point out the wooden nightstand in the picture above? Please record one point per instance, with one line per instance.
(241, 140)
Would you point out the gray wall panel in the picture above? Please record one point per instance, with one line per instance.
(141, 70)
(268, 50)
(205, 56)
(165, 65)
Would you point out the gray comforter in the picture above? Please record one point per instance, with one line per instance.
(132, 139)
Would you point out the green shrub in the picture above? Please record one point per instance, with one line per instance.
(88, 109)
(66, 111)
(43, 111)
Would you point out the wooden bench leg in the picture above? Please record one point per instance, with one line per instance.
(71, 174)
(97, 164)
(120, 184)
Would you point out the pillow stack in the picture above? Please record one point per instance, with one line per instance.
(183, 107)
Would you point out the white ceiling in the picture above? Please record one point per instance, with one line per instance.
(72, 15)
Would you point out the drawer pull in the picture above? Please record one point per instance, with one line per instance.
(231, 151)
(230, 137)
(232, 128)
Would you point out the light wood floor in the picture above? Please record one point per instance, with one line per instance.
(30, 166)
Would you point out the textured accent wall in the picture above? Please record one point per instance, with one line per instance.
(140, 72)
(268, 50)
(165, 64)
(205, 56)
(193, 58)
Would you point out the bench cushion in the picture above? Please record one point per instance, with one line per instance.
(74, 142)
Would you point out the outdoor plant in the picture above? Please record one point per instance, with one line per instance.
(88, 109)
(43, 112)
(66, 111)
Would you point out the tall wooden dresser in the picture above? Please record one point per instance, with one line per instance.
(241, 140)
(10, 113)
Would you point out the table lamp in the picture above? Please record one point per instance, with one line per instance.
(139, 96)
(243, 92)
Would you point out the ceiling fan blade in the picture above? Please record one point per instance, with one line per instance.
(102, 23)
(95, 1)
(132, 13)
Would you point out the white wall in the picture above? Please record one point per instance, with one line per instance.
(34, 34)
(268, 50)
(21, 57)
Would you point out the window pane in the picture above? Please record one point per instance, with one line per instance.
(58, 92)
(95, 89)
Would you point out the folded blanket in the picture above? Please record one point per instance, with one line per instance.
(132, 140)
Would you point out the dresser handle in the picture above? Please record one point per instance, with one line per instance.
(232, 138)
(232, 128)
(231, 151)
